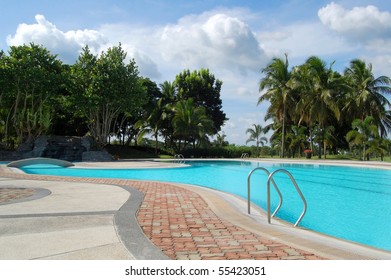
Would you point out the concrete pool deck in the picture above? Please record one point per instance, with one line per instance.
(49, 217)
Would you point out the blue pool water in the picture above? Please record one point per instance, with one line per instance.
(351, 203)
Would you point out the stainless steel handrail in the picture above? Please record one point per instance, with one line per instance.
(249, 189)
(297, 189)
(244, 156)
(179, 158)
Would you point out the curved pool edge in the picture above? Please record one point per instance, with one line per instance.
(232, 208)
(133, 164)
(330, 162)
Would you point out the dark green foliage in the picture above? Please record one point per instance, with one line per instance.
(313, 107)
(131, 152)
(204, 89)
(31, 82)
(217, 152)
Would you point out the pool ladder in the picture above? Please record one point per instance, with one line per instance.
(244, 156)
(270, 180)
(179, 158)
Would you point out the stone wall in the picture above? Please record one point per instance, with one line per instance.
(69, 148)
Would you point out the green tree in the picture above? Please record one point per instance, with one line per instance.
(30, 85)
(275, 82)
(190, 123)
(158, 120)
(296, 138)
(204, 89)
(142, 123)
(361, 134)
(366, 95)
(105, 87)
(378, 147)
(220, 139)
(256, 134)
(320, 90)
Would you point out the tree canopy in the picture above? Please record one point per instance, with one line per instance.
(321, 104)
(31, 79)
(103, 96)
(105, 88)
(204, 89)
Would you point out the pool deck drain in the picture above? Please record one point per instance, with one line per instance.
(184, 225)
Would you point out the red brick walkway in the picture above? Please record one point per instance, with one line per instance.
(181, 223)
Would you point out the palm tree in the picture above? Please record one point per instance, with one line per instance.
(378, 146)
(277, 76)
(220, 139)
(319, 87)
(156, 119)
(190, 123)
(328, 138)
(256, 135)
(362, 131)
(366, 95)
(297, 139)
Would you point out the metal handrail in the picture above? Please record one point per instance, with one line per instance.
(297, 189)
(249, 189)
(179, 158)
(244, 156)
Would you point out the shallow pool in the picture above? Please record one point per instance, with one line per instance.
(351, 203)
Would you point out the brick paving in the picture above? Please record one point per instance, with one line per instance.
(182, 225)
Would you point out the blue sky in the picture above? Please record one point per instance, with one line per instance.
(234, 39)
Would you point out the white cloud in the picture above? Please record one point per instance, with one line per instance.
(301, 40)
(66, 44)
(212, 40)
(367, 29)
(146, 65)
(381, 64)
(362, 23)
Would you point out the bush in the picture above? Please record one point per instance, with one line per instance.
(125, 152)
(217, 152)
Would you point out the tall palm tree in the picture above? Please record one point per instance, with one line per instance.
(319, 86)
(220, 139)
(275, 82)
(158, 117)
(366, 95)
(256, 135)
(190, 122)
(165, 103)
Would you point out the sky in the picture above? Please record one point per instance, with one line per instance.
(234, 39)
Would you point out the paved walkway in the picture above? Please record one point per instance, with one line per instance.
(56, 220)
(85, 218)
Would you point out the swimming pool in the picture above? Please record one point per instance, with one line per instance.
(351, 203)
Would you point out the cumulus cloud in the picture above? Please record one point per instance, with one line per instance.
(69, 44)
(146, 65)
(212, 40)
(66, 44)
(301, 40)
(359, 23)
(366, 28)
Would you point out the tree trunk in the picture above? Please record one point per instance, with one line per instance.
(156, 143)
(324, 148)
(283, 133)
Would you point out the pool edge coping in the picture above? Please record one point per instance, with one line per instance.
(346, 248)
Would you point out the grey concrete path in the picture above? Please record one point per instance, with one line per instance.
(65, 220)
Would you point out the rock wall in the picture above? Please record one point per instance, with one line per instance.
(69, 148)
